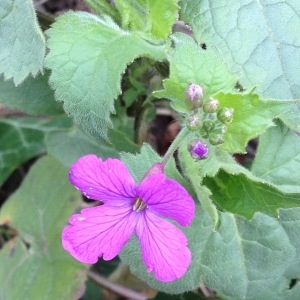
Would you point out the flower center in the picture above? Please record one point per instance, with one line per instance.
(139, 204)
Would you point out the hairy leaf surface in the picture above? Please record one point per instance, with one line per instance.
(88, 55)
(22, 42)
(251, 117)
(151, 16)
(191, 64)
(259, 40)
(278, 158)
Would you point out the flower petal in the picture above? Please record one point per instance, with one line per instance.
(164, 247)
(98, 231)
(108, 181)
(166, 197)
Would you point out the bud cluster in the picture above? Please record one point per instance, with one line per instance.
(207, 118)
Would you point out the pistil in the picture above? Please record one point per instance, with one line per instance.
(139, 204)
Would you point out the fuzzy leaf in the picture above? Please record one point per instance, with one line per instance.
(155, 17)
(278, 159)
(240, 195)
(255, 260)
(251, 117)
(89, 83)
(257, 42)
(35, 259)
(22, 42)
(191, 169)
(33, 96)
(191, 64)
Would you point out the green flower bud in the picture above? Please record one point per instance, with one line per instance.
(203, 133)
(195, 94)
(225, 115)
(208, 125)
(216, 138)
(193, 122)
(221, 128)
(211, 105)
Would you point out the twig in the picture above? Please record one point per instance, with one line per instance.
(114, 287)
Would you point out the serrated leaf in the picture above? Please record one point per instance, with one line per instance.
(22, 42)
(242, 260)
(35, 259)
(22, 139)
(265, 57)
(242, 196)
(155, 17)
(251, 117)
(191, 64)
(68, 145)
(33, 96)
(277, 158)
(259, 40)
(87, 57)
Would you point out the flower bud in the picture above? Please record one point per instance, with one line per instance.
(198, 149)
(208, 125)
(216, 138)
(225, 115)
(211, 105)
(157, 168)
(195, 94)
(220, 128)
(203, 133)
(193, 122)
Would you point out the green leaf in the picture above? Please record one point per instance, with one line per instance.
(34, 264)
(33, 96)
(278, 159)
(219, 159)
(257, 42)
(191, 169)
(191, 64)
(155, 17)
(265, 57)
(102, 7)
(242, 260)
(68, 145)
(138, 164)
(240, 195)
(89, 83)
(251, 117)
(22, 139)
(22, 42)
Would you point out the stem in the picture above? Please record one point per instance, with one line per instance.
(175, 144)
(114, 287)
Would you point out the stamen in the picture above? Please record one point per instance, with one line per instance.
(139, 205)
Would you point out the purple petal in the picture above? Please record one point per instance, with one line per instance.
(98, 231)
(164, 248)
(108, 181)
(166, 197)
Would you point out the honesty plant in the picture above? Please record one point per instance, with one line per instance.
(217, 212)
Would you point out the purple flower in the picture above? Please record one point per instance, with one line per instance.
(198, 149)
(102, 231)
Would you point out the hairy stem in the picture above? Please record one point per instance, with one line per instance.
(175, 144)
